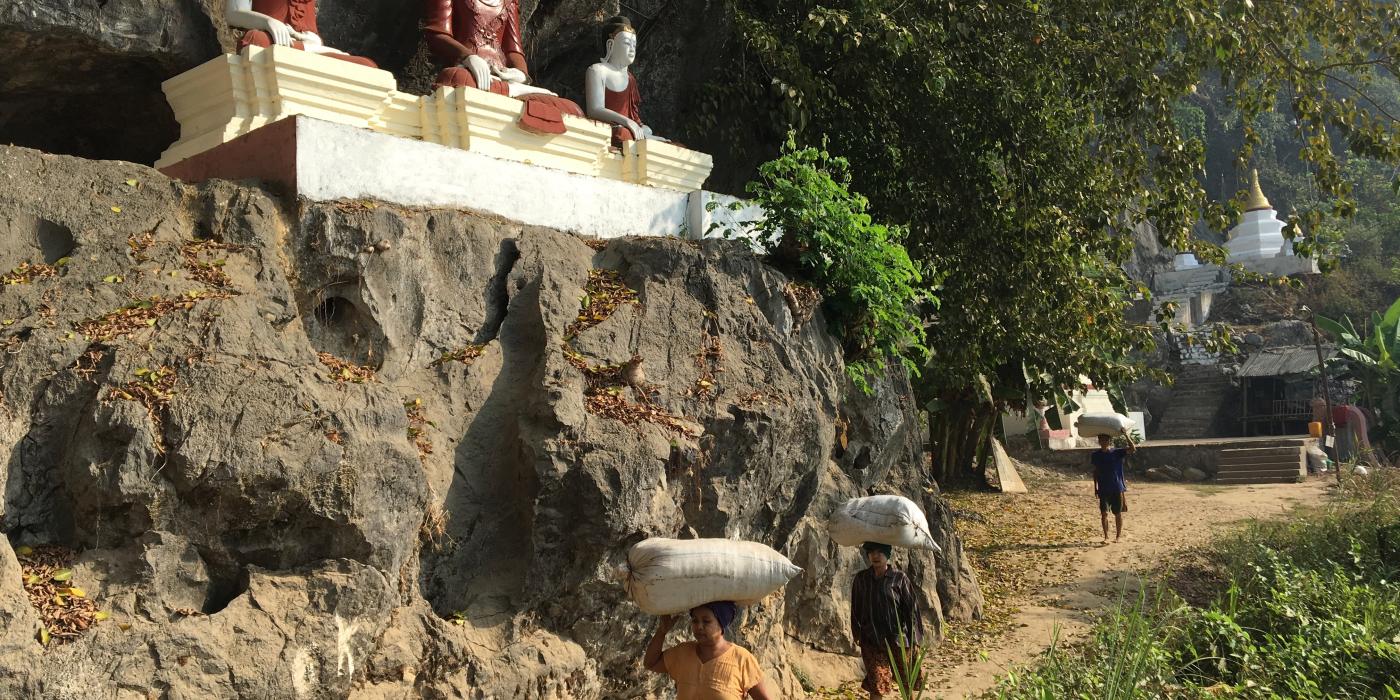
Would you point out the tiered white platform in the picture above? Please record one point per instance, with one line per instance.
(323, 161)
(235, 94)
(329, 129)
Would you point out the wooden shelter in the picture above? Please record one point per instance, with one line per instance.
(1277, 387)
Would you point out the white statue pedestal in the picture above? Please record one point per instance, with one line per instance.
(323, 161)
(233, 95)
(1185, 261)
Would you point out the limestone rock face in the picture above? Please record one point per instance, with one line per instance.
(84, 77)
(297, 463)
(1148, 257)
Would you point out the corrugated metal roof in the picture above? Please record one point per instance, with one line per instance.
(1277, 362)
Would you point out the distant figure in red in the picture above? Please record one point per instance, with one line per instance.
(1352, 439)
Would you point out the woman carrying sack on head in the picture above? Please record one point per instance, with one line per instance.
(884, 615)
(711, 667)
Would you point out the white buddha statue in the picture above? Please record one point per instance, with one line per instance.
(610, 90)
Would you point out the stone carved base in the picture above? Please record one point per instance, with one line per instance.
(484, 122)
(661, 164)
(322, 161)
(234, 94)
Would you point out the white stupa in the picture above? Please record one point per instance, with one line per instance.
(1259, 234)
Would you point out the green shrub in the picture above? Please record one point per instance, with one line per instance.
(817, 228)
(1312, 610)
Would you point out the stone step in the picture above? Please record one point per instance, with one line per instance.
(1262, 470)
(1237, 481)
(1260, 459)
(1200, 370)
(1252, 468)
(1180, 431)
(1195, 400)
(1192, 373)
(1191, 423)
(1249, 452)
(1201, 379)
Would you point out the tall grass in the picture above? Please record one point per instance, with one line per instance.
(1310, 608)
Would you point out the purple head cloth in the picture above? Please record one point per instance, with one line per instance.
(724, 612)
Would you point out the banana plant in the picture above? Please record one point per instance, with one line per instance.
(1371, 356)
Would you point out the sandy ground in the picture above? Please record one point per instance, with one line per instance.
(1045, 570)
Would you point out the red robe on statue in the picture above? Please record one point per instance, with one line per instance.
(300, 15)
(456, 29)
(628, 103)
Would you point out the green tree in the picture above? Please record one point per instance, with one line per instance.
(1364, 247)
(1023, 142)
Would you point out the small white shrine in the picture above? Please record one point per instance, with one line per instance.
(1088, 399)
(1185, 261)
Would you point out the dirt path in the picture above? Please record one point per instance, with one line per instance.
(1043, 566)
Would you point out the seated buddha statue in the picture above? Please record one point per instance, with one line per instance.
(477, 43)
(284, 23)
(610, 90)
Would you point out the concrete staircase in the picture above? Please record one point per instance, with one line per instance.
(1262, 465)
(1200, 393)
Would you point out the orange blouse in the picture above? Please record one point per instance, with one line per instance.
(728, 676)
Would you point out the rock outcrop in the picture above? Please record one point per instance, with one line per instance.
(351, 450)
(84, 77)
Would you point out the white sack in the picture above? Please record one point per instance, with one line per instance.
(666, 576)
(891, 520)
(1103, 424)
(1317, 459)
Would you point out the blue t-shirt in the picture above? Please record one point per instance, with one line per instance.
(1108, 470)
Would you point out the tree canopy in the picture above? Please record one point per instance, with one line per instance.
(1022, 143)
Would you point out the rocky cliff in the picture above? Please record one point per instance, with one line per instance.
(349, 450)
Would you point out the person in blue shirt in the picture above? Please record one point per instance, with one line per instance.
(1109, 485)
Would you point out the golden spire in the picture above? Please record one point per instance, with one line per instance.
(1256, 200)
